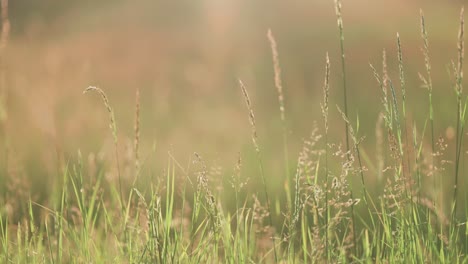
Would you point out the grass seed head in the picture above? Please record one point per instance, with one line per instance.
(103, 95)
(400, 68)
(338, 16)
(326, 92)
(427, 61)
(277, 70)
(251, 116)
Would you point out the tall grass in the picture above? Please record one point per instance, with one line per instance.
(279, 89)
(427, 81)
(339, 17)
(259, 157)
(325, 107)
(113, 128)
(461, 110)
(187, 215)
(401, 73)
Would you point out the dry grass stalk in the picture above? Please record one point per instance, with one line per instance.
(279, 88)
(387, 114)
(427, 82)
(396, 113)
(259, 156)
(326, 92)
(105, 100)
(307, 181)
(251, 116)
(113, 127)
(338, 16)
(236, 181)
(347, 168)
(385, 80)
(402, 73)
(384, 70)
(427, 61)
(460, 111)
(403, 95)
(203, 188)
(277, 69)
(343, 66)
(356, 140)
(202, 183)
(307, 188)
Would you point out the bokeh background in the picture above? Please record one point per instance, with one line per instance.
(186, 58)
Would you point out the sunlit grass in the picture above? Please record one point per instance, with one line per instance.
(183, 215)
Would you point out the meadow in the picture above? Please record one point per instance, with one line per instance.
(359, 160)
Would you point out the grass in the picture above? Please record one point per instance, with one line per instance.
(187, 215)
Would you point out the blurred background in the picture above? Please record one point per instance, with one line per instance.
(186, 58)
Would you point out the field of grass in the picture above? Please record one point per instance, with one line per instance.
(361, 189)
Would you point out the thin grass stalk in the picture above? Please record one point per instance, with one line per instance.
(259, 158)
(361, 171)
(295, 215)
(237, 186)
(428, 83)
(387, 114)
(113, 127)
(398, 125)
(279, 88)
(401, 170)
(343, 66)
(391, 114)
(353, 222)
(277, 71)
(460, 112)
(170, 184)
(403, 95)
(396, 114)
(351, 195)
(379, 138)
(357, 141)
(339, 17)
(324, 107)
(64, 194)
(418, 150)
